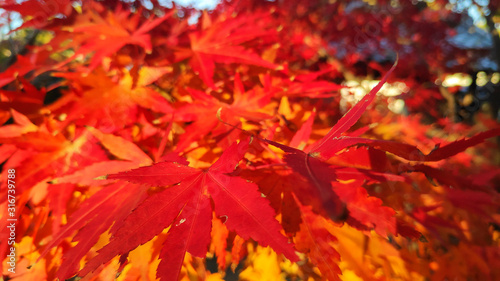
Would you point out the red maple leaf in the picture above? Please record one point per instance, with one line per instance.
(316, 239)
(222, 41)
(185, 206)
(106, 35)
(206, 110)
(38, 13)
(319, 175)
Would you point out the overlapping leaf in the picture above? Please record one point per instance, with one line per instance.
(206, 110)
(320, 175)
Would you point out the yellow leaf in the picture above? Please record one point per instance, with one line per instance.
(264, 267)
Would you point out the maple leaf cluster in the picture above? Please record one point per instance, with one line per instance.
(162, 149)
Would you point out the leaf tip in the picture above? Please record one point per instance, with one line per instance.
(105, 177)
(219, 112)
(90, 128)
(315, 154)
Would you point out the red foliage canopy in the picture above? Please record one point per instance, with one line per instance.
(154, 146)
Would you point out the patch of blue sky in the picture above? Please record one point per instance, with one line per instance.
(198, 4)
